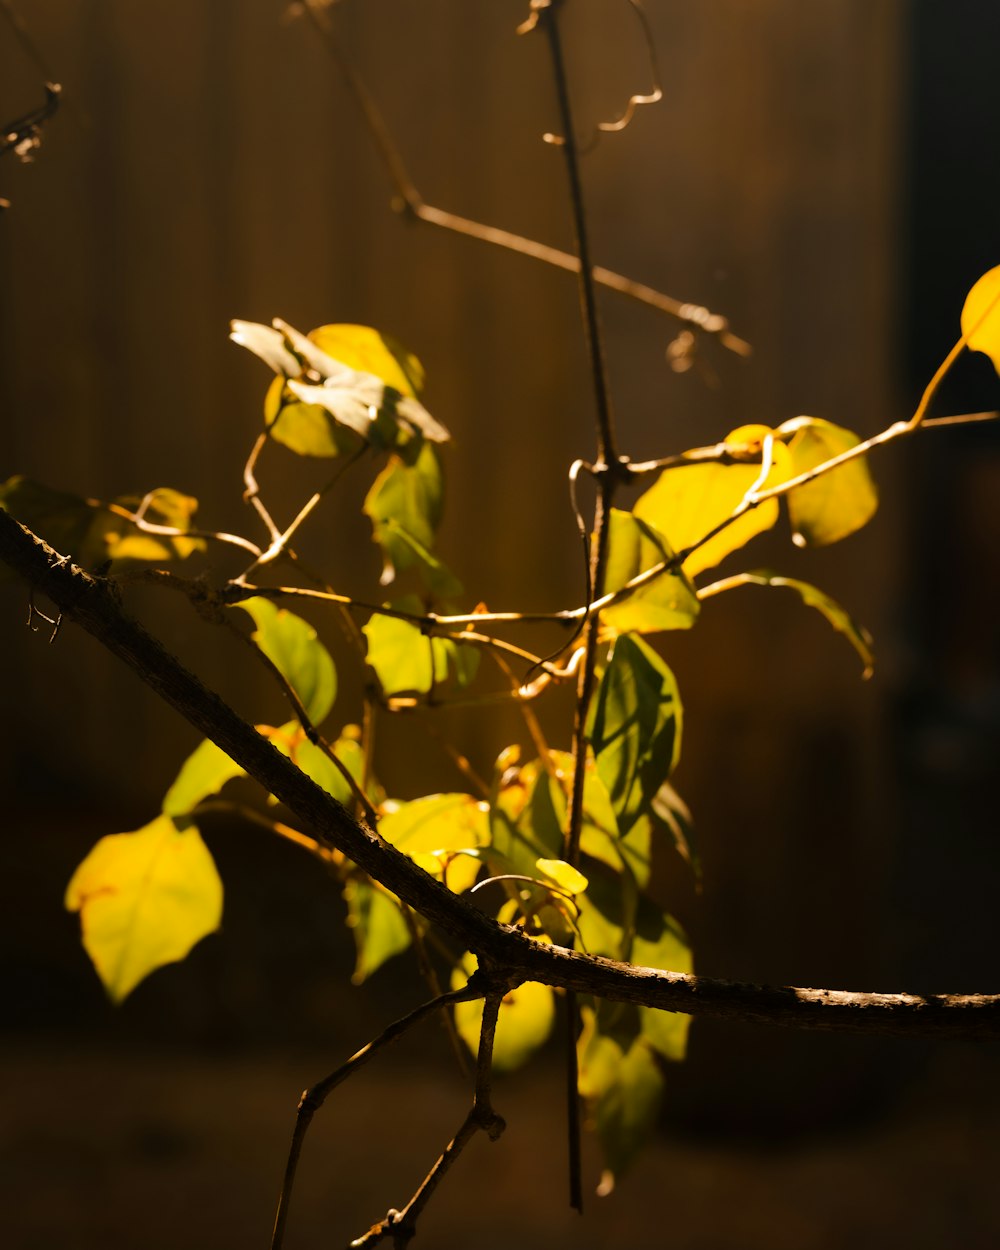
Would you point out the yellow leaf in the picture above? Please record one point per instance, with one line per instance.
(981, 316)
(365, 349)
(144, 899)
(564, 875)
(837, 503)
(525, 1021)
(688, 502)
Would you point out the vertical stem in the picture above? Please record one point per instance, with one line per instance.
(608, 472)
(607, 449)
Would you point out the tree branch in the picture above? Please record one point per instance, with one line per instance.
(93, 604)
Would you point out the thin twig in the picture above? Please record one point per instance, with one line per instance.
(314, 1097)
(279, 544)
(412, 203)
(401, 1226)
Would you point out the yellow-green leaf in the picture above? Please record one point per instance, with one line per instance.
(527, 1015)
(433, 829)
(623, 1087)
(981, 316)
(402, 657)
(686, 503)
(667, 602)
(306, 429)
(144, 899)
(379, 928)
(406, 661)
(564, 875)
(205, 771)
(291, 644)
(635, 727)
(660, 943)
(837, 503)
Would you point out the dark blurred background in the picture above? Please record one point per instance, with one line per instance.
(823, 174)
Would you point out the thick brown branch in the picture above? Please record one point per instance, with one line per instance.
(92, 604)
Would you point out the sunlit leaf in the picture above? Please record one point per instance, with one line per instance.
(404, 505)
(667, 602)
(981, 316)
(564, 875)
(380, 931)
(635, 727)
(840, 501)
(437, 823)
(405, 660)
(144, 899)
(527, 816)
(315, 763)
(839, 618)
(205, 771)
(623, 1087)
(402, 657)
(125, 541)
(370, 351)
(527, 1015)
(686, 503)
(293, 647)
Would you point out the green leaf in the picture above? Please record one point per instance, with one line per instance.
(981, 316)
(660, 943)
(405, 552)
(144, 899)
(635, 727)
(379, 928)
(406, 661)
(668, 602)
(405, 505)
(859, 637)
(623, 1087)
(527, 814)
(306, 429)
(205, 771)
(291, 644)
(410, 496)
(315, 763)
(836, 504)
(527, 1015)
(688, 502)
(402, 657)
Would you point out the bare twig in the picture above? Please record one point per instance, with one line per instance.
(413, 205)
(314, 1097)
(401, 1226)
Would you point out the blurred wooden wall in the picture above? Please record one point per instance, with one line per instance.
(208, 163)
